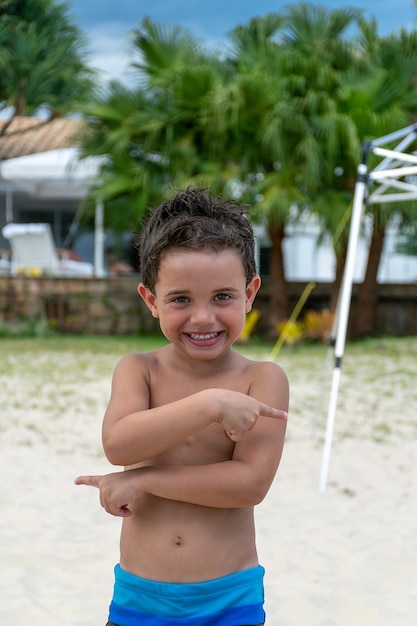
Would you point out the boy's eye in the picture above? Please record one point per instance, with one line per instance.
(222, 297)
(180, 299)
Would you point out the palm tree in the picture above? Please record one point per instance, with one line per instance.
(277, 115)
(131, 177)
(259, 115)
(240, 114)
(306, 135)
(154, 134)
(42, 60)
(353, 90)
(382, 101)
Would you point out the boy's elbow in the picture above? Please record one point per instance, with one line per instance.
(120, 454)
(114, 454)
(256, 492)
(113, 457)
(259, 496)
(114, 460)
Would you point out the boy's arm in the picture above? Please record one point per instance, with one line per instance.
(133, 432)
(243, 481)
(246, 479)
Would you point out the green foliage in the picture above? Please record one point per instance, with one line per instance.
(42, 58)
(35, 327)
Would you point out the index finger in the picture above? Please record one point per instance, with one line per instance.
(91, 481)
(270, 411)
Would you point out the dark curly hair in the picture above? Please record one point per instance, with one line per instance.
(195, 220)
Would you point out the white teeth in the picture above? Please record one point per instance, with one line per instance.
(200, 336)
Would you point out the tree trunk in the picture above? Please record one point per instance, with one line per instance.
(363, 322)
(335, 290)
(340, 268)
(279, 299)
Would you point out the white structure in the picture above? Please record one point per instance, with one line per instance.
(56, 174)
(307, 261)
(391, 181)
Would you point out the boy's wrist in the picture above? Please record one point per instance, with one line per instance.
(211, 406)
(143, 475)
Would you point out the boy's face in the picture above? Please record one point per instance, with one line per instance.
(201, 300)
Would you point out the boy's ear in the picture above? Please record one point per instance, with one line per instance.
(251, 291)
(149, 299)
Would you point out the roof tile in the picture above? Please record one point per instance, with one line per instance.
(30, 135)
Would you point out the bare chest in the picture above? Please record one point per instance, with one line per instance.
(210, 445)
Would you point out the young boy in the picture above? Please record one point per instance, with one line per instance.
(198, 427)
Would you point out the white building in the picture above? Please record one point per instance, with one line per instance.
(305, 260)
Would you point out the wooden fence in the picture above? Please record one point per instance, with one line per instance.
(112, 306)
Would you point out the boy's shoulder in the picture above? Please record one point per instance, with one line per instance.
(158, 354)
(259, 365)
(267, 370)
(139, 361)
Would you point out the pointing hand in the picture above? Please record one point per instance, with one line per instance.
(117, 490)
(238, 412)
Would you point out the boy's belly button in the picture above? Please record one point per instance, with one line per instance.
(178, 540)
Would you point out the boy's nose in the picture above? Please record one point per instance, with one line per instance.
(202, 316)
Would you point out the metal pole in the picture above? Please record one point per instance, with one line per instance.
(343, 313)
(9, 204)
(99, 241)
(408, 130)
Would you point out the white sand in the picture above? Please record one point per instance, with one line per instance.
(347, 557)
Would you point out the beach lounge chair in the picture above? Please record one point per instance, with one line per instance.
(34, 252)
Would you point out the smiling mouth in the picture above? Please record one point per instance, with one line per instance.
(203, 336)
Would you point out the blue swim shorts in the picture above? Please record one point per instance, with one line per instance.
(233, 600)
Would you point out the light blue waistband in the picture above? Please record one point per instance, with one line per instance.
(226, 601)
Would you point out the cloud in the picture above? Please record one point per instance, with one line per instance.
(109, 49)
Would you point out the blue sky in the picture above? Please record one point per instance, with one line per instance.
(107, 23)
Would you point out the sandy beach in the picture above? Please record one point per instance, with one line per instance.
(345, 557)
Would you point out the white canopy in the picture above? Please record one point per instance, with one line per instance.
(52, 174)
